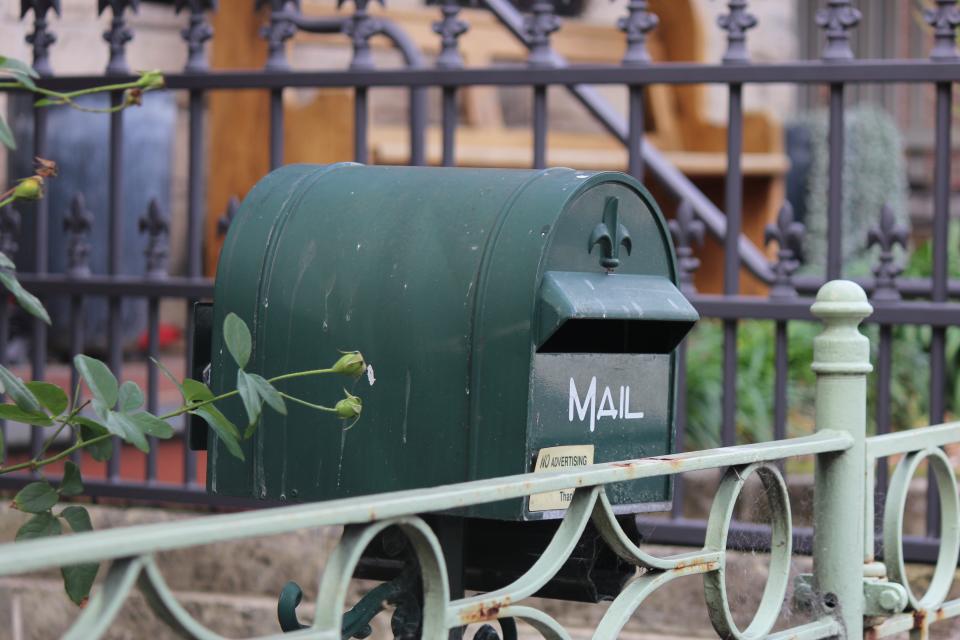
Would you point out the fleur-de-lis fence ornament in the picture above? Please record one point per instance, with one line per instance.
(223, 224)
(788, 234)
(41, 39)
(610, 234)
(736, 23)
(154, 224)
(9, 230)
(538, 26)
(360, 28)
(944, 19)
(836, 19)
(118, 35)
(197, 33)
(77, 224)
(686, 230)
(280, 29)
(887, 234)
(637, 24)
(450, 27)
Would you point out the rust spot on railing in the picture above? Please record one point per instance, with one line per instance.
(484, 611)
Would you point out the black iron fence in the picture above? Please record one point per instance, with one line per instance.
(928, 302)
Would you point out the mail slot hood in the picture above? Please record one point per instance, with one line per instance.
(611, 313)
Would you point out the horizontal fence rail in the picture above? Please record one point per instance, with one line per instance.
(849, 595)
(932, 301)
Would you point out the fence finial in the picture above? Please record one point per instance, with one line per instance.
(118, 35)
(41, 38)
(450, 28)
(686, 230)
(788, 234)
(538, 26)
(944, 19)
(360, 28)
(278, 31)
(77, 224)
(197, 33)
(736, 24)
(636, 24)
(836, 19)
(887, 234)
(9, 231)
(154, 224)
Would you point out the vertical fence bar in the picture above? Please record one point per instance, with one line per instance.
(538, 27)
(114, 240)
(77, 225)
(154, 224)
(38, 352)
(276, 128)
(835, 185)
(887, 234)
(280, 29)
(449, 126)
(359, 28)
(733, 202)
(735, 23)
(788, 234)
(686, 230)
(449, 28)
(117, 37)
(195, 36)
(539, 126)
(636, 24)
(9, 231)
(941, 230)
(841, 361)
(635, 131)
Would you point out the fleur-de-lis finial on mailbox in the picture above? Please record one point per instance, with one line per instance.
(611, 235)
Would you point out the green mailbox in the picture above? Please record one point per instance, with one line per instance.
(516, 322)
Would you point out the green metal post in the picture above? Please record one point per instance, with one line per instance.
(841, 360)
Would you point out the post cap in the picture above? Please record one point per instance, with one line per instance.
(841, 348)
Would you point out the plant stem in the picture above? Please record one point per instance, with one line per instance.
(318, 407)
(36, 464)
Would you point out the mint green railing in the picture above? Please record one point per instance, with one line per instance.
(848, 595)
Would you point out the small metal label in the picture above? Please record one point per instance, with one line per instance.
(559, 459)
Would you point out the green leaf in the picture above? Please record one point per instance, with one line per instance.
(131, 397)
(237, 336)
(16, 414)
(78, 580)
(102, 383)
(3, 449)
(269, 393)
(49, 102)
(122, 425)
(6, 136)
(36, 497)
(78, 518)
(225, 430)
(89, 429)
(19, 393)
(195, 391)
(18, 66)
(71, 485)
(152, 425)
(52, 397)
(30, 303)
(41, 525)
(252, 401)
(6, 262)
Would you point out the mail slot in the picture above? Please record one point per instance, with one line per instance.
(516, 322)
